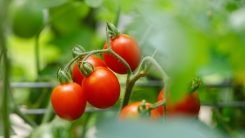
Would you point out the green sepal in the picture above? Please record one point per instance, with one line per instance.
(86, 68)
(194, 85)
(143, 110)
(63, 76)
(77, 50)
(112, 30)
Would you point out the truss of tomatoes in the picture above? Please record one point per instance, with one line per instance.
(101, 87)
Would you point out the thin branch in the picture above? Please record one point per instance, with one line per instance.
(5, 70)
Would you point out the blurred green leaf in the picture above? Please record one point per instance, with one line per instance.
(72, 11)
(93, 3)
(51, 3)
(128, 5)
(111, 5)
(145, 129)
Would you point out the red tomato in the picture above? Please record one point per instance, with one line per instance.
(126, 47)
(78, 76)
(101, 87)
(68, 101)
(188, 106)
(131, 112)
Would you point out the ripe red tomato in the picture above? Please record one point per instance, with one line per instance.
(101, 87)
(188, 106)
(126, 47)
(78, 76)
(68, 101)
(131, 112)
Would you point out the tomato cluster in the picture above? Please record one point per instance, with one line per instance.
(99, 87)
(93, 79)
(188, 106)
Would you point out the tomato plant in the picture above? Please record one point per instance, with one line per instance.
(101, 87)
(126, 47)
(68, 101)
(78, 76)
(131, 111)
(188, 106)
(27, 18)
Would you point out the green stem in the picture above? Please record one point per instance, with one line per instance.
(141, 72)
(5, 105)
(68, 65)
(1, 55)
(158, 104)
(87, 54)
(5, 70)
(166, 82)
(37, 54)
(48, 113)
(18, 112)
(127, 93)
(85, 124)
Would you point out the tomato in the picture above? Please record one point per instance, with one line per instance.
(131, 112)
(27, 18)
(101, 87)
(126, 47)
(78, 76)
(68, 101)
(188, 106)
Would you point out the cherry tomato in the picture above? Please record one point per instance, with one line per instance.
(188, 106)
(68, 101)
(101, 87)
(131, 112)
(126, 47)
(27, 18)
(78, 76)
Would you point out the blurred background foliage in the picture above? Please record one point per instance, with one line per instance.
(193, 38)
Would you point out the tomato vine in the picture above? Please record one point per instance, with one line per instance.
(111, 34)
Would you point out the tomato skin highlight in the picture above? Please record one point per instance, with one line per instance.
(126, 47)
(188, 106)
(68, 101)
(78, 76)
(101, 87)
(131, 112)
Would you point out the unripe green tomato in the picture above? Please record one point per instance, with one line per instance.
(26, 18)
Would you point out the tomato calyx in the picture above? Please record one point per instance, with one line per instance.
(86, 68)
(77, 50)
(112, 30)
(143, 110)
(63, 76)
(194, 85)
